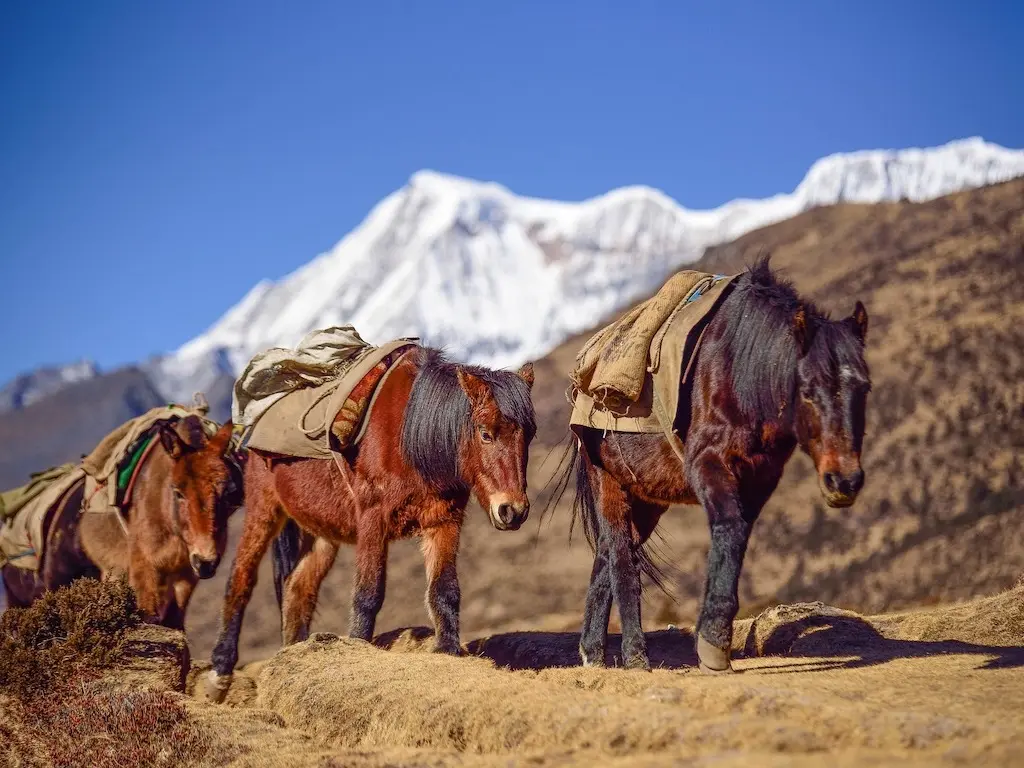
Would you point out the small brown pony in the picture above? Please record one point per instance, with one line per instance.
(772, 373)
(439, 433)
(174, 534)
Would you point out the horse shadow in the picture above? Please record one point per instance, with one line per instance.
(826, 642)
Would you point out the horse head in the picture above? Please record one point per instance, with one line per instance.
(495, 448)
(205, 488)
(832, 387)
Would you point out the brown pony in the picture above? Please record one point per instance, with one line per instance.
(772, 373)
(174, 532)
(439, 433)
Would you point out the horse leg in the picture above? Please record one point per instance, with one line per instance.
(151, 592)
(594, 634)
(301, 589)
(21, 587)
(440, 547)
(730, 531)
(616, 509)
(263, 520)
(182, 594)
(371, 575)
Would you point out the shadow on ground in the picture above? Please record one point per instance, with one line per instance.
(841, 640)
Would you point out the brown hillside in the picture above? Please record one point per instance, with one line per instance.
(941, 516)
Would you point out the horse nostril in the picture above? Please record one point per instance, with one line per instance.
(202, 567)
(505, 513)
(831, 480)
(855, 481)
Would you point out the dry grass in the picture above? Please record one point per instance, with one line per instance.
(936, 687)
(941, 686)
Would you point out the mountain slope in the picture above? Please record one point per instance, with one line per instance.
(499, 279)
(67, 424)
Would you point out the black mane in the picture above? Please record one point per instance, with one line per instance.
(437, 416)
(759, 337)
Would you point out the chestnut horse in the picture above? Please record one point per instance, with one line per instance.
(438, 433)
(174, 532)
(772, 373)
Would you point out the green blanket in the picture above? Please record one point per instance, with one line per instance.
(124, 476)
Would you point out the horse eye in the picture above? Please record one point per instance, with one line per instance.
(178, 495)
(486, 436)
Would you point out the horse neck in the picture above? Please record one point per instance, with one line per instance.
(151, 501)
(765, 393)
(433, 431)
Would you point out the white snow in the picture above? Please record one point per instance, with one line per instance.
(30, 387)
(499, 279)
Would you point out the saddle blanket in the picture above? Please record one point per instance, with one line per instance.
(627, 376)
(23, 531)
(315, 400)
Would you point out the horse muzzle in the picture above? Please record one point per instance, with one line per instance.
(203, 567)
(841, 490)
(509, 516)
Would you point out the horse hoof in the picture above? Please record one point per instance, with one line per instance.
(448, 648)
(592, 659)
(711, 659)
(638, 662)
(215, 687)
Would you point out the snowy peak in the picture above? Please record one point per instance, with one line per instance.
(30, 387)
(498, 278)
(909, 174)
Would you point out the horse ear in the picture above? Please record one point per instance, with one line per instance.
(526, 374)
(220, 441)
(474, 387)
(171, 442)
(190, 431)
(859, 321)
(803, 331)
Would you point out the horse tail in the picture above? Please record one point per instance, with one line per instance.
(285, 555)
(574, 467)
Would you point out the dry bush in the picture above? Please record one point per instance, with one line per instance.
(61, 664)
(69, 633)
(104, 728)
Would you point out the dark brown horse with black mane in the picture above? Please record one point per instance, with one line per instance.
(438, 434)
(772, 373)
(172, 534)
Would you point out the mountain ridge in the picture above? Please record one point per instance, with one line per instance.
(498, 278)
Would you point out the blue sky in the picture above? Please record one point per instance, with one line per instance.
(158, 159)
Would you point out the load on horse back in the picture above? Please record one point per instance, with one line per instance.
(700, 396)
(356, 444)
(151, 501)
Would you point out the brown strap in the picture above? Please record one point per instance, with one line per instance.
(346, 470)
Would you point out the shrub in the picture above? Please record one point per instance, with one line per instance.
(70, 632)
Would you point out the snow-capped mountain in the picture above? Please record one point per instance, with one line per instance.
(29, 387)
(498, 279)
